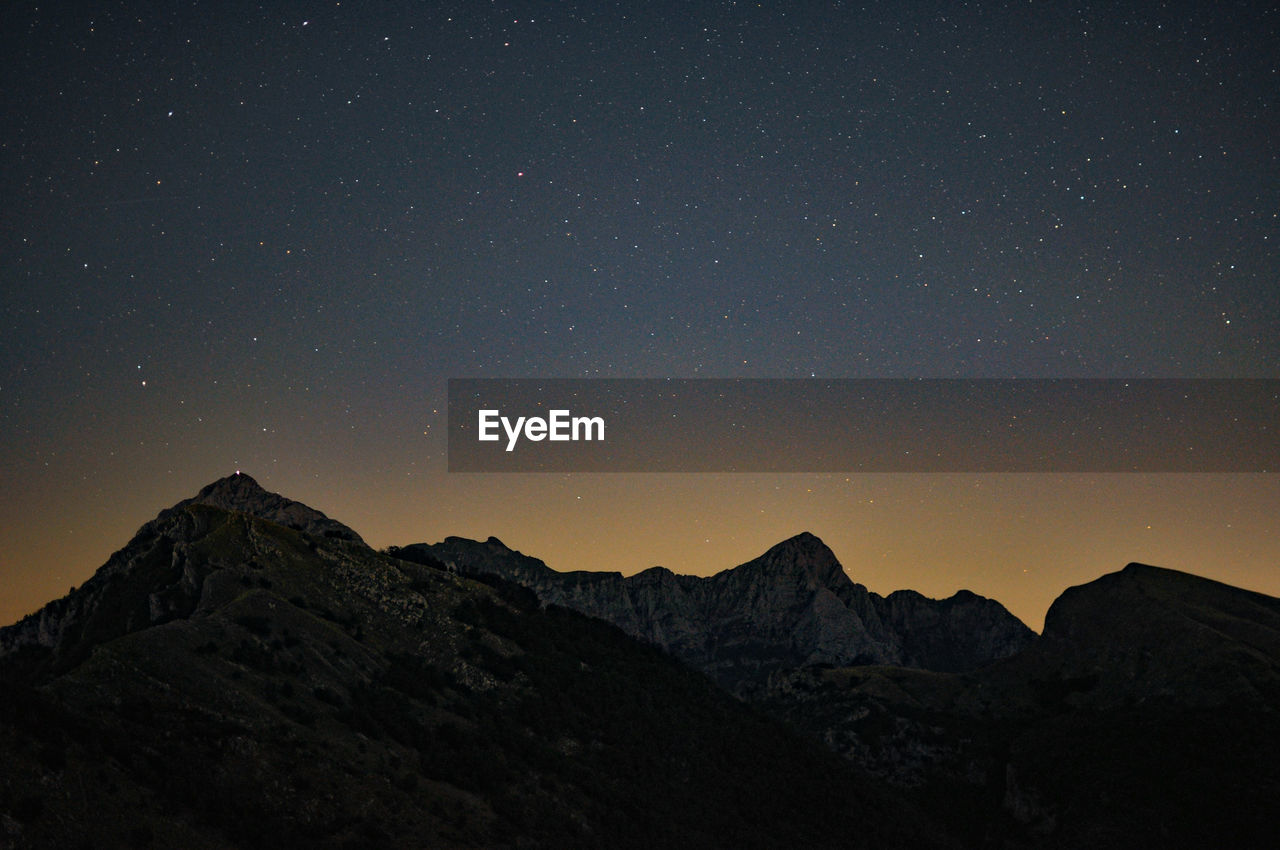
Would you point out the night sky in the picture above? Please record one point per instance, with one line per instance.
(263, 236)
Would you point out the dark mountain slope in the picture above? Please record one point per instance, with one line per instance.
(229, 681)
(153, 579)
(794, 605)
(1147, 633)
(1147, 714)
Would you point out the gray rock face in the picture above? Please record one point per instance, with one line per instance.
(792, 606)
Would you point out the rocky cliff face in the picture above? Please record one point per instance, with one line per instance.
(793, 606)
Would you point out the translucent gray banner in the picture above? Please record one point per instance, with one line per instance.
(864, 425)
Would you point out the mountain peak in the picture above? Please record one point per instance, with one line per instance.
(238, 484)
(806, 542)
(241, 493)
(237, 477)
(805, 539)
(805, 552)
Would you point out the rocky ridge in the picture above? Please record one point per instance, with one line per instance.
(793, 606)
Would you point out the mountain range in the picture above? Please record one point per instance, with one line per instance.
(247, 672)
(792, 606)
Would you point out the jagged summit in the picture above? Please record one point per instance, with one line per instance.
(240, 492)
(791, 606)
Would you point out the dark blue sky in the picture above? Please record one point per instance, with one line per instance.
(265, 235)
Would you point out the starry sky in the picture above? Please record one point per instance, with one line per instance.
(264, 236)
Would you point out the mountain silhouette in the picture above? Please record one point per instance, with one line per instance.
(246, 672)
(792, 606)
(1151, 634)
(241, 493)
(1147, 713)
